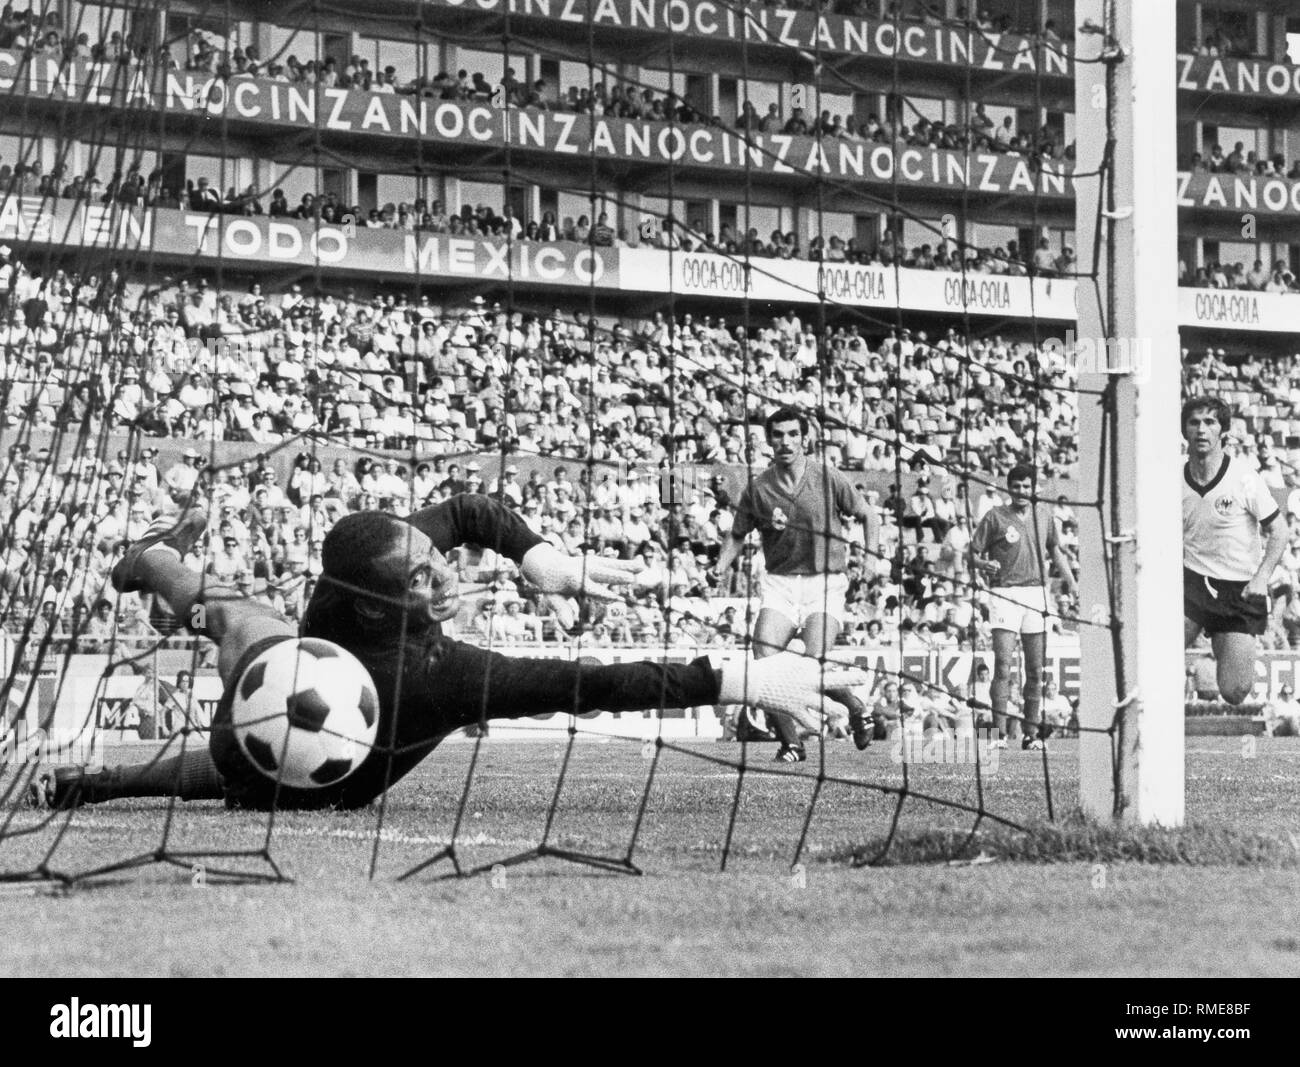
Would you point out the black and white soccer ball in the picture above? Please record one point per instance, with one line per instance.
(305, 713)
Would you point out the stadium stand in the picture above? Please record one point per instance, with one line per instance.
(220, 358)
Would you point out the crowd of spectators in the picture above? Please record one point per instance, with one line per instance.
(1242, 162)
(99, 355)
(1222, 41)
(1261, 278)
(979, 134)
(266, 532)
(901, 126)
(63, 527)
(377, 371)
(388, 372)
(42, 32)
(208, 54)
(133, 188)
(381, 371)
(223, 57)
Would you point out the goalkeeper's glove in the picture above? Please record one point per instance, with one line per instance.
(564, 577)
(794, 686)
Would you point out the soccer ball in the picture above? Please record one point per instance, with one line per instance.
(305, 713)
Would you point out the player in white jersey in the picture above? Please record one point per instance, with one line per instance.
(796, 505)
(1226, 508)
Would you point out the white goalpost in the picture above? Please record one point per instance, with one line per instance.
(1134, 308)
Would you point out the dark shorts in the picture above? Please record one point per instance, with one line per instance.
(1217, 606)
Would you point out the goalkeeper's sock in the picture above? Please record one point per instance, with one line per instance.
(200, 779)
(190, 776)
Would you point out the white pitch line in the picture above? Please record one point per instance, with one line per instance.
(399, 838)
(342, 833)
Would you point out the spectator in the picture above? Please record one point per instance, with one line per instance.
(1282, 715)
(1056, 709)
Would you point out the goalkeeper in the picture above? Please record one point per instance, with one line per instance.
(384, 589)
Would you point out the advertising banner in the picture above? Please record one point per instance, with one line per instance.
(831, 34)
(1241, 77)
(1239, 192)
(1233, 309)
(311, 108)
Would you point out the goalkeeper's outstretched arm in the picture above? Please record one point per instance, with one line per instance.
(475, 519)
(488, 685)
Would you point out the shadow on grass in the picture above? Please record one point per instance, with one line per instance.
(1080, 840)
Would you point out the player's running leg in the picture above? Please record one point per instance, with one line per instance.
(154, 564)
(773, 633)
(1234, 663)
(1191, 631)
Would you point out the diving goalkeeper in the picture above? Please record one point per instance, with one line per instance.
(384, 589)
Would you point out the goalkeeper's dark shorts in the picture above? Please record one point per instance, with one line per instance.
(1220, 606)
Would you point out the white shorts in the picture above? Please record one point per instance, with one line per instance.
(1018, 608)
(797, 596)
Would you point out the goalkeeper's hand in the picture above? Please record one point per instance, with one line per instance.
(795, 687)
(564, 578)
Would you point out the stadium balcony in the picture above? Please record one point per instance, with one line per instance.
(561, 149)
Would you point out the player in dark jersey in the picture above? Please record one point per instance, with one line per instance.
(1005, 548)
(384, 589)
(1226, 508)
(796, 506)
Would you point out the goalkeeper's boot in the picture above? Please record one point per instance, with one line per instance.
(62, 788)
(178, 534)
(790, 754)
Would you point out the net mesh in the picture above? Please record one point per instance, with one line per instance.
(92, 275)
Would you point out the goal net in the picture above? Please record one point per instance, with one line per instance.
(292, 269)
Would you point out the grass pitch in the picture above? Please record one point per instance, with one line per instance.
(1221, 902)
